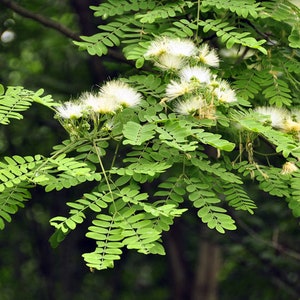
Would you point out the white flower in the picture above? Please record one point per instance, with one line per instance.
(277, 115)
(280, 118)
(120, 93)
(200, 74)
(208, 56)
(293, 122)
(173, 46)
(176, 89)
(218, 83)
(295, 114)
(225, 95)
(288, 168)
(98, 104)
(70, 110)
(189, 107)
(107, 106)
(157, 48)
(236, 52)
(89, 100)
(181, 47)
(170, 62)
(291, 126)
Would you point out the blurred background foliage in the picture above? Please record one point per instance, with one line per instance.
(261, 260)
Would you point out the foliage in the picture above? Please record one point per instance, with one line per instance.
(18, 99)
(188, 142)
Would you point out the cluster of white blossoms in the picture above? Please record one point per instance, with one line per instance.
(288, 168)
(111, 97)
(281, 118)
(174, 53)
(194, 88)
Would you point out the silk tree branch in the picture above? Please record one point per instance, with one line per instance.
(41, 19)
(56, 26)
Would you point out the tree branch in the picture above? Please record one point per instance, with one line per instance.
(41, 19)
(57, 26)
(280, 248)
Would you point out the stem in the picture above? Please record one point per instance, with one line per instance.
(115, 155)
(241, 146)
(281, 248)
(41, 19)
(183, 164)
(66, 149)
(198, 18)
(50, 23)
(103, 169)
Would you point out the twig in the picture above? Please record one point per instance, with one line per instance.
(56, 26)
(41, 19)
(280, 248)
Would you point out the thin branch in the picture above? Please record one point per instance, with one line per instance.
(280, 248)
(41, 19)
(56, 26)
(276, 274)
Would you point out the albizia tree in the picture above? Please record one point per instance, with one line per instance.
(207, 114)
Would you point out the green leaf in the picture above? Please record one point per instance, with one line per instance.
(137, 134)
(294, 37)
(139, 62)
(214, 140)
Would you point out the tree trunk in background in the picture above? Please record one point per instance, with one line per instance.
(198, 281)
(178, 266)
(206, 273)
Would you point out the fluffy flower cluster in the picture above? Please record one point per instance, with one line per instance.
(280, 118)
(194, 88)
(111, 97)
(173, 53)
(289, 168)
